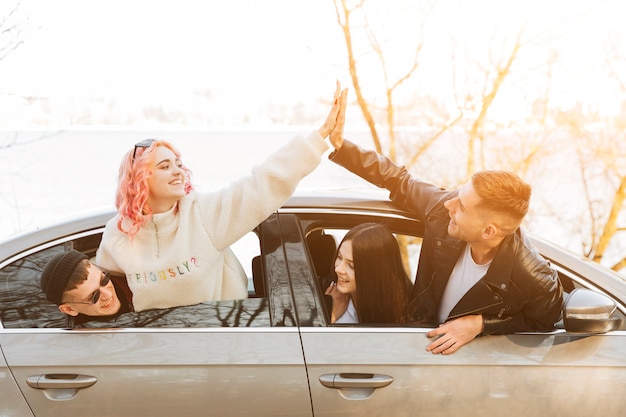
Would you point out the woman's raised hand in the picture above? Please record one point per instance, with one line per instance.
(337, 110)
(336, 135)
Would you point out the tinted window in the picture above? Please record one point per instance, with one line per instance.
(24, 305)
(251, 312)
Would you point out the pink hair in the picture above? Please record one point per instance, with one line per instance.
(132, 186)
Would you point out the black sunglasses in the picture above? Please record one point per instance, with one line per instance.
(104, 281)
(146, 143)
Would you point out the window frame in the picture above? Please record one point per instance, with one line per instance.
(344, 220)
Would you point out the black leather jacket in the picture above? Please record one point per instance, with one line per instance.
(520, 292)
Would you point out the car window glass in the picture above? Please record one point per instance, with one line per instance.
(251, 312)
(24, 305)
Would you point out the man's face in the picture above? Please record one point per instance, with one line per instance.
(466, 222)
(80, 299)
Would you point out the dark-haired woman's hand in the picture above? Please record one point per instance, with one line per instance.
(340, 301)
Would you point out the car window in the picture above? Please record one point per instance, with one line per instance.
(24, 305)
(322, 243)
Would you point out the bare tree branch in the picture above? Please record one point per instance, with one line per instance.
(343, 18)
(615, 62)
(432, 140)
(475, 133)
(391, 86)
(588, 200)
(10, 32)
(15, 141)
(344, 14)
(619, 265)
(610, 227)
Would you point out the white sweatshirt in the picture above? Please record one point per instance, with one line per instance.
(182, 257)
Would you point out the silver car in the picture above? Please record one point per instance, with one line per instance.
(276, 354)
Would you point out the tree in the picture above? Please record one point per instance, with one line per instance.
(11, 36)
(602, 163)
(391, 83)
(346, 15)
(10, 30)
(474, 96)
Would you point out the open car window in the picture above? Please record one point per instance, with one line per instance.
(23, 304)
(322, 243)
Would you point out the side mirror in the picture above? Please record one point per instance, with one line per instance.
(586, 311)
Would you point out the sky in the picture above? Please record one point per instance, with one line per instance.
(136, 51)
(247, 53)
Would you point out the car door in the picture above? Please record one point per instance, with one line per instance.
(230, 358)
(12, 402)
(363, 370)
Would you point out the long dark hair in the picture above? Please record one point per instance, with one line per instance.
(382, 284)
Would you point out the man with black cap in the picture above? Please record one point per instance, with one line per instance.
(82, 290)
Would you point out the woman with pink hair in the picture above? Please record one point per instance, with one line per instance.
(172, 242)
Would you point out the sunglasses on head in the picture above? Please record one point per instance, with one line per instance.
(104, 281)
(146, 143)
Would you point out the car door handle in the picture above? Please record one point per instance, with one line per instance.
(355, 380)
(61, 381)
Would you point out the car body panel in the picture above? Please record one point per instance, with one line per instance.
(580, 268)
(524, 374)
(12, 402)
(221, 372)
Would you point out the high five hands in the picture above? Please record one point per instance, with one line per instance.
(340, 301)
(336, 118)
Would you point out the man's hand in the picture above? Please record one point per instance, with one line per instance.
(331, 120)
(454, 334)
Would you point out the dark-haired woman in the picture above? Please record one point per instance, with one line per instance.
(371, 284)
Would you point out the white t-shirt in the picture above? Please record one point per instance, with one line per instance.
(465, 275)
(349, 316)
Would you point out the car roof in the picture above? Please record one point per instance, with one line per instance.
(314, 199)
(345, 199)
(53, 232)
